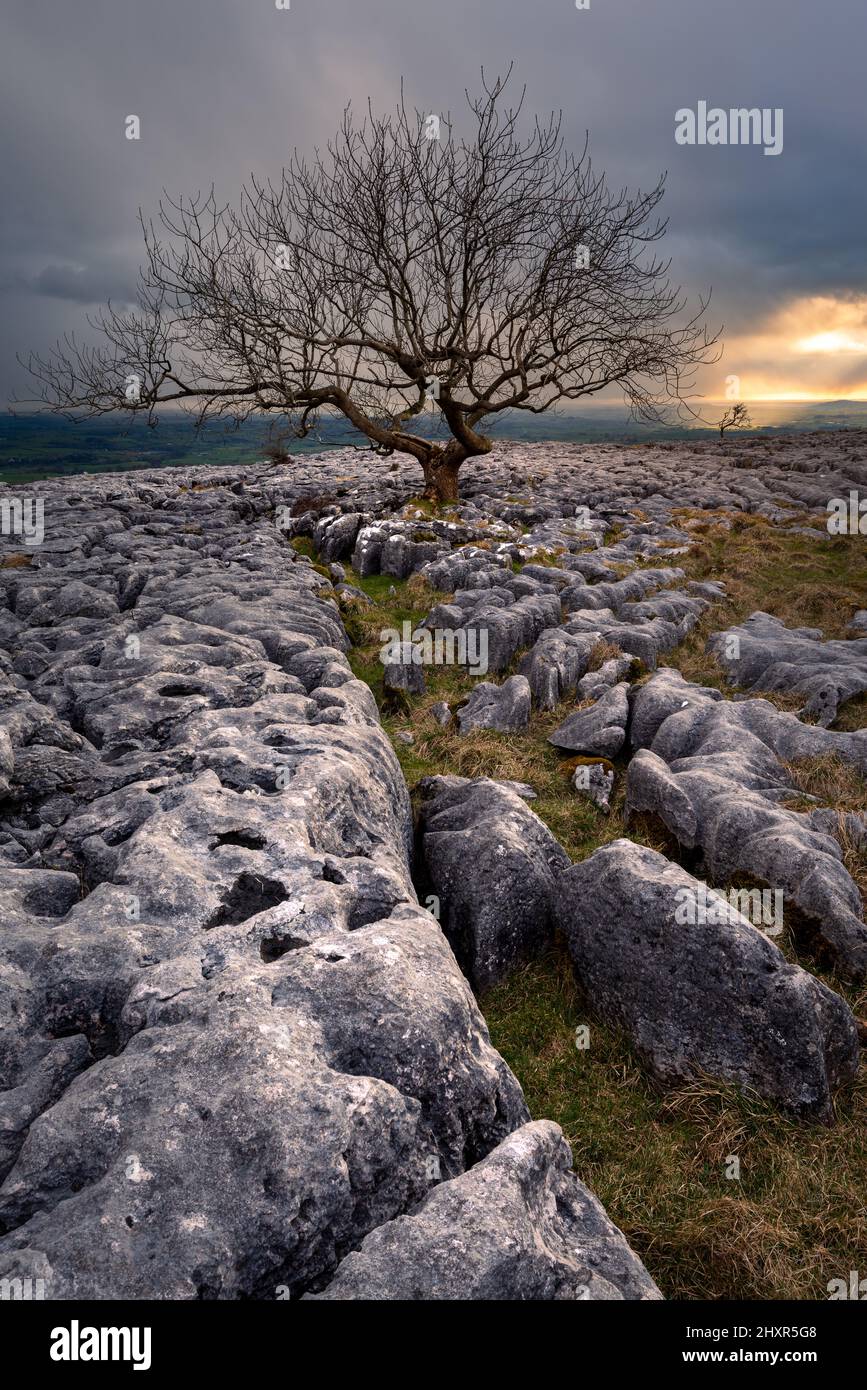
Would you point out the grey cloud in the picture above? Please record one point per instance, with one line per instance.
(84, 285)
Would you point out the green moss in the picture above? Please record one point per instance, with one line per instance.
(304, 545)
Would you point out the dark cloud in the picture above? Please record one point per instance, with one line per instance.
(85, 284)
(223, 88)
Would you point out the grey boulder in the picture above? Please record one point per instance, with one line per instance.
(698, 996)
(518, 1226)
(403, 671)
(555, 664)
(595, 781)
(493, 865)
(595, 683)
(505, 708)
(599, 730)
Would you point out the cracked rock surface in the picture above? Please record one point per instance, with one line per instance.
(233, 1045)
(492, 863)
(505, 707)
(712, 771)
(517, 1226)
(236, 1053)
(767, 655)
(600, 729)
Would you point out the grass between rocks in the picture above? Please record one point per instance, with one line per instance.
(658, 1162)
(797, 1216)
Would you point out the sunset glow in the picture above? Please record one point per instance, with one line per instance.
(813, 350)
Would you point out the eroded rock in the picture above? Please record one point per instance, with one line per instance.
(763, 654)
(701, 997)
(517, 1226)
(492, 863)
(600, 729)
(712, 771)
(505, 707)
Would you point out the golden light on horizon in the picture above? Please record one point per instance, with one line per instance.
(835, 341)
(815, 349)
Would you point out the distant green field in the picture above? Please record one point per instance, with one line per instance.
(43, 446)
(33, 447)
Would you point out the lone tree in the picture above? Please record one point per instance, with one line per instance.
(413, 282)
(737, 418)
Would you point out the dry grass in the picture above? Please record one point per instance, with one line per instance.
(828, 781)
(831, 781)
(854, 861)
(852, 715)
(803, 581)
(796, 1218)
(602, 652)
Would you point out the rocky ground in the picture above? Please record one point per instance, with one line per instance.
(263, 887)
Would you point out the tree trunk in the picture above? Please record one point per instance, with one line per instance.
(441, 480)
(441, 466)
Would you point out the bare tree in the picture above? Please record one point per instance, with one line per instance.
(412, 282)
(737, 418)
(275, 447)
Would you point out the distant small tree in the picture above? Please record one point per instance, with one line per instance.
(737, 418)
(275, 447)
(402, 275)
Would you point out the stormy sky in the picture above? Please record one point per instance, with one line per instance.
(223, 87)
